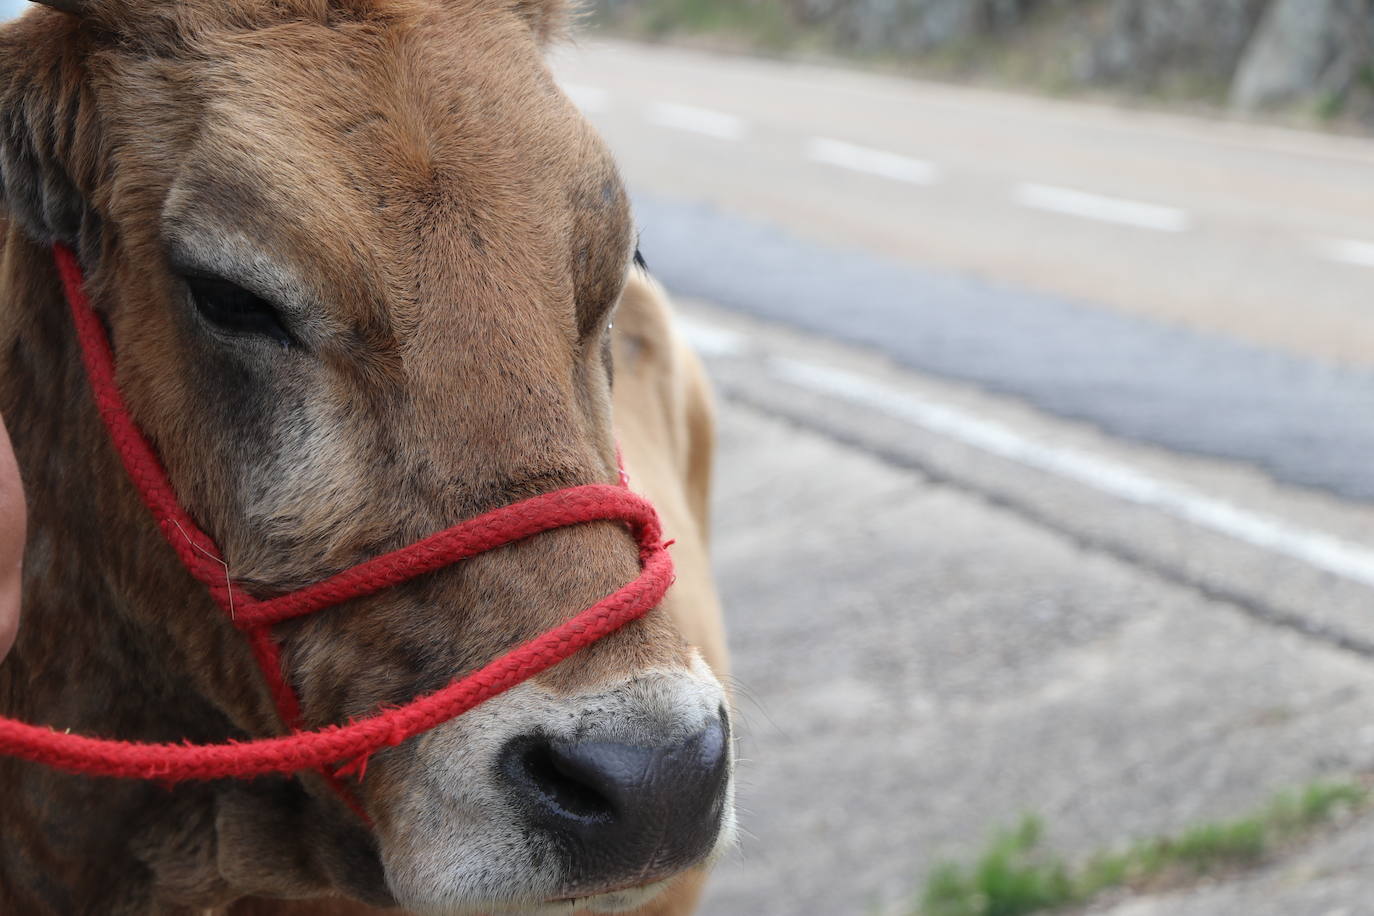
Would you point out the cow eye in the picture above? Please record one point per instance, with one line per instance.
(232, 308)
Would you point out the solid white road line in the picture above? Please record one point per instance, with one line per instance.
(590, 99)
(716, 124)
(1347, 251)
(1315, 548)
(1117, 210)
(871, 161)
(1333, 555)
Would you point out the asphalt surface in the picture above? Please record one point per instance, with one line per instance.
(1261, 235)
(931, 640)
(1277, 354)
(1131, 376)
(1043, 482)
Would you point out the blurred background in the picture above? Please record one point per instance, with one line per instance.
(1043, 337)
(1246, 54)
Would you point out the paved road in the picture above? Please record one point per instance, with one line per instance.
(932, 637)
(1044, 477)
(1262, 235)
(1245, 300)
(1132, 376)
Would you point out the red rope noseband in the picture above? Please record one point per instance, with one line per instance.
(335, 744)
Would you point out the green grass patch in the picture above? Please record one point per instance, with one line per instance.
(1016, 875)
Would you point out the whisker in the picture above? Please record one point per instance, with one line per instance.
(228, 583)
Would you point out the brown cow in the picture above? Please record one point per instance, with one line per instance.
(358, 260)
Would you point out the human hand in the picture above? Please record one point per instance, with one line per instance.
(13, 522)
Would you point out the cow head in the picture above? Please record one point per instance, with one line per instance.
(358, 259)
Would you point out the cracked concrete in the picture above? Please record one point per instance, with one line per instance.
(919, 664)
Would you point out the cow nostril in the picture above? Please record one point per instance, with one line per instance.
(621, 811)
(564, 785)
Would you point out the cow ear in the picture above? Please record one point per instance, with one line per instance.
(48, 128)
(549, 19)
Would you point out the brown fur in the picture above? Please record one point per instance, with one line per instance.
(461, 238)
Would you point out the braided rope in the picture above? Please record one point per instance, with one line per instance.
(335, 743)
(355, 741)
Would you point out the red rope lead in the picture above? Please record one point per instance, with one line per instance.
(308, 750)
(197, 551)
(595, 502)
(336, 743)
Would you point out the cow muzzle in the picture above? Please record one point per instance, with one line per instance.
(622, 811)
(539, 803)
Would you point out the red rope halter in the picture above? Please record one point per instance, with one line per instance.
(303, 750)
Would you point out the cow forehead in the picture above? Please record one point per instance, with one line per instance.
(400, 162)
(417, 117)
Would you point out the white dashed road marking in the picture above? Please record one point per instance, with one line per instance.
(1348, 251)
(590, 99)
(716, 124)
(897, 167)
(1070, 202)
(872, 161)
